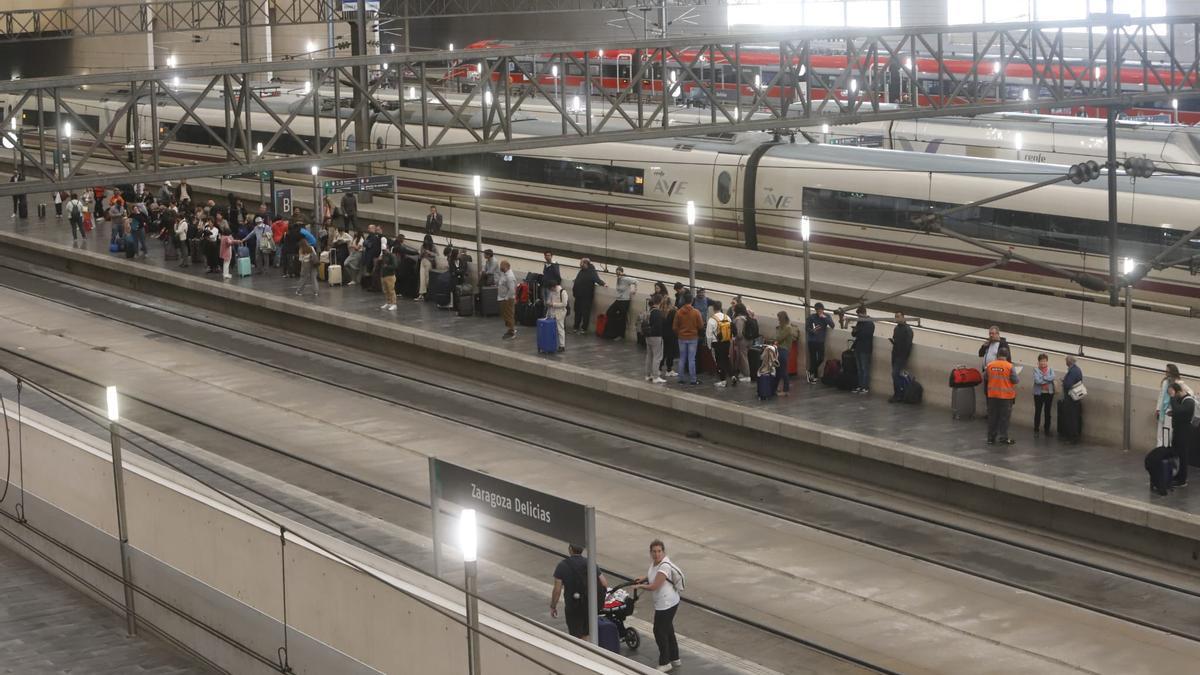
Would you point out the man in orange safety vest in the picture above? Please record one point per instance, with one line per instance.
(1000, 380)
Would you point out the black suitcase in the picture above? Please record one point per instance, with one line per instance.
(464, 300)
(489, 304)
(441, 288)
(408, 277)
(1070, 419)
(527, 314)
(41, 210)
(23, 208)
(755, 357)
(848, 377)
(615, 324)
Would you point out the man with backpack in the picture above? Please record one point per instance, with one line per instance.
(75, 217)
(719, 334)
(570, 583)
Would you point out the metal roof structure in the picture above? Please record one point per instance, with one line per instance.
(642, 105)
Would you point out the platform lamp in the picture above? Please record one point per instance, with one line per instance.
(805, 231)
(316, 194)
(258, 151)
(468, 542)
(477, 189)
(1128, 267)
(12, 139)
(67, 135)
(114, 432)
(691, 221)
(1175, 111)
(554, 74)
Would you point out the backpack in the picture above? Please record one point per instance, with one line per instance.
(724, 329)
(644, 323)
(750, 332)
(676, 577)
(76, 213)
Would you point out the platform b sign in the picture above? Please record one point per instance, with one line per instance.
(283, 202)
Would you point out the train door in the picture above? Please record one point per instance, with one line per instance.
(726, 195)
(624, 69)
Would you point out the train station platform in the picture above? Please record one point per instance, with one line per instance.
(48, 627)
(1090, 490)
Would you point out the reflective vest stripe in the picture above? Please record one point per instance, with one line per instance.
(999, 380)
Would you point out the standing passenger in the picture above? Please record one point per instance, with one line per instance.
(618, 312)
(308, 267)
(556, 308)
(664, 579)
(864, 345)
(740, 352)
(1000, 379)
(584, 290)
(786, 336)
(902, 341)
(570, 581)
(652, 330)
(387, 278)
(1070, 409)
(1183, 434)
(818, 326)
(551, 275)
(1043, 393)
(1163, 412)
(687, 327)
(506, 295)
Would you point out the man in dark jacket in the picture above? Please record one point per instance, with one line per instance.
(584, 290)
(372, 247)
(902, 339)
(864, 344)
(551, 275)
(349, 211)
(433, 221)
(1183, 435)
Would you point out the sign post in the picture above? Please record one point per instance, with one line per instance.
(283, 203)
(517, 505)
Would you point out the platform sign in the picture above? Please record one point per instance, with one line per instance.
(364, 184)
(283, 202)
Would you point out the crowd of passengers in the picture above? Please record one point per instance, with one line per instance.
(685, 335)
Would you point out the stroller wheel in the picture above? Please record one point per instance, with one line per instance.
(632, 638)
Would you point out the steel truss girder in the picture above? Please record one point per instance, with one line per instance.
(639, 107)
(198, 15)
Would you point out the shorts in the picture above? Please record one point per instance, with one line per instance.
(577, 619)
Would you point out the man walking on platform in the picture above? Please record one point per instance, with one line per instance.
(1000, 380)
(571, 576)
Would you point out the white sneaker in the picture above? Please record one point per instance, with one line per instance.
(658, 380)
(722, 383)
(384, 306)
(665, 669)
(744, 378)
(676, 663)
(671, 373)
(391, 308)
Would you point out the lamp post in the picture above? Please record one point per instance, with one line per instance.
(554, 74)
(1127, 268)
(316, 195)
(1175, 111)
(468, 542)
(691, 221)
(67, 134)
(805, 231)
(258, 150)
(477, 187)
(114, 432)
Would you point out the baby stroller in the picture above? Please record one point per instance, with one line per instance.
(618, 606)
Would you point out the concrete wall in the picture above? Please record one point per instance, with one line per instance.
(221, 565)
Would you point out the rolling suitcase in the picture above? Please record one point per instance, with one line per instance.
(847, 378)
(962, 402)
(1070, 423)
(766, 386)
(705, 363)
(335, 275)
(601, 324)
(831, 372)
(793, 364)
(408, 277)
(547, 335)
(607, 635)
(243, 267)
(41, 210)
(755, 356)
(322, 271)
(440, 288)
(489, 305)
(465, 301)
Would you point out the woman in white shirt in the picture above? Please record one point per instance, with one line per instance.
(663, 580)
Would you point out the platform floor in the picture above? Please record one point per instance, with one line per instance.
(1102, 468)
(48, 627)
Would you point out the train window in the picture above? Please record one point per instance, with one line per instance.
(1017, 227)
(724, 187)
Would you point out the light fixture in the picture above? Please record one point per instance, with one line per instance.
(67, 129)
(805, 228)
(758, 81)
(14, 121)
(908, 63)
(691, 213)
(314, 170)
(575, 104)
(307, 87)
(171, 61)
(1024, 94)
(853, 85)
(553, 71)
(393, 46)
(468, 538)
(996, 67)
(1175, 104)
(310, 47)
(1017, 142)
(600, 53)
(1128, 265)
(110, 397)
(824, 128)
(1096, 73)
(487, 97)
(451, 46)
(175, 81)
(477, 185)
(258, 149)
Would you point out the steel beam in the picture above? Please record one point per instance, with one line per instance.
(622, 112)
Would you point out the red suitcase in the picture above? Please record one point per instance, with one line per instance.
(962, 376)
(601, 324)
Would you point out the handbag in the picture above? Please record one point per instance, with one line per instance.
(1077, 391)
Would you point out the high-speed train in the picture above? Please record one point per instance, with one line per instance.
(751, 189)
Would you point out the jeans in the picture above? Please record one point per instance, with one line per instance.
(999, 413)
(898, 367)
(664, 635)
(308, 278)
(654, 351)
(583, 311)
(687, 365)
(816, 356)
(1041, 405)
(77, 229)
(782, 371)
(140, 236)
(863, 361)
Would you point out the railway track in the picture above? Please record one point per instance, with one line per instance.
(1142, 599)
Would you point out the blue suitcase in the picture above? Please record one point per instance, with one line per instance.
(609, 636)
(766, 386)
(547, 335)
(243, 267)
